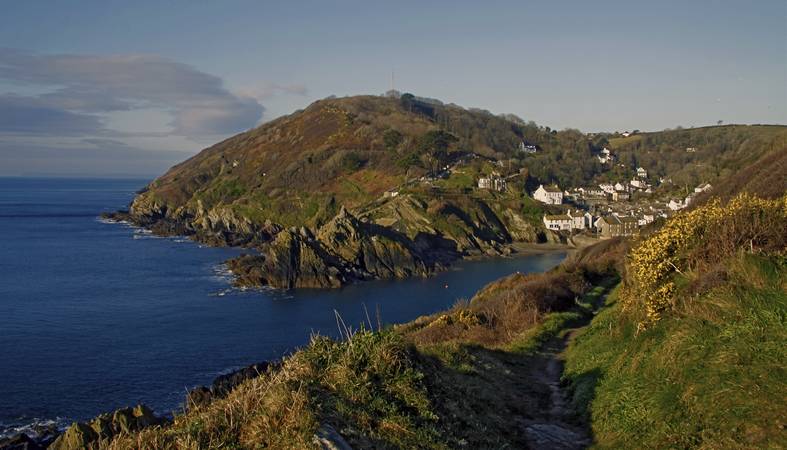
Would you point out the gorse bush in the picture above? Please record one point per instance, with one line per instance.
(695, 241)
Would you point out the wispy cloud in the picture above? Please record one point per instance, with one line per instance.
(77, 88)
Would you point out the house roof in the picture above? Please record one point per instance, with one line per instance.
(557, 217)
(551, 188)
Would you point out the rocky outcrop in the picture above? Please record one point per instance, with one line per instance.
(82, 435)
(218, 226)
(21, 442)
(342, 251)
(223, 384)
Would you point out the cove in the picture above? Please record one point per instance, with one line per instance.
(95, 316)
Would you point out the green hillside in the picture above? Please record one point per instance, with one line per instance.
(689, 352)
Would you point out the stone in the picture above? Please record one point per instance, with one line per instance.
(327, 438)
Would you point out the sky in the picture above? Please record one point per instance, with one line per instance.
(117, 88)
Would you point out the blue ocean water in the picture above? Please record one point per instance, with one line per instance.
(95, 316)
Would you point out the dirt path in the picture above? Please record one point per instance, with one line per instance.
(556, 426)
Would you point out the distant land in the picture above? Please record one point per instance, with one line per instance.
(371, 187)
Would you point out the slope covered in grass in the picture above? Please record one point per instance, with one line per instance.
(690, 351)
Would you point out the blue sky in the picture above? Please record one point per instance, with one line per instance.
(125, 88)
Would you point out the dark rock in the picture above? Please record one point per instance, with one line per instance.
(77, 436)
(199, 396)
(125, 420)
(340, 252)
(327, 438)
(222, 385)
(20, 442)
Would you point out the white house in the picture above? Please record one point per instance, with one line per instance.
(625, 134)
(641, 172)
(646, 219)
(620, 187)
(608, 188)
(637, 183)
(550, 195)
(571, 220)
(619, 196)
(579, 219)
(527, 148)
(675, 205)
(704, 187)
(493, 182)
(561, 222)
(591, 192)
(691, 149)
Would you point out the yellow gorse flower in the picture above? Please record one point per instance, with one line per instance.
(654, 262)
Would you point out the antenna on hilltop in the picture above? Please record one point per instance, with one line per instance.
(392, 80)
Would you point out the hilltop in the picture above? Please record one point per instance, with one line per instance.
(350, 189)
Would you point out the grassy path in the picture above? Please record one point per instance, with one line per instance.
(513, 397)
(558, 426)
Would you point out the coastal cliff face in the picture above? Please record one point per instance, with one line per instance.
(340, 252)
(306, 192)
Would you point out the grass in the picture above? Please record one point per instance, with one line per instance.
(365, 386)
(711, 376)
(554, 324)
(616, 142)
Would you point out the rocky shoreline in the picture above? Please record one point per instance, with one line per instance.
(344, 250)
(81, 435)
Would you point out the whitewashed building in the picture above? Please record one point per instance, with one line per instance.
(704, 187)
(527, 148)
(551, 195)
(608, 188)
(560, 222)
(571, 220)
(675, 205)
(493, 182)
(641, 172)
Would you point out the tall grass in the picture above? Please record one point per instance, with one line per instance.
(366, 387)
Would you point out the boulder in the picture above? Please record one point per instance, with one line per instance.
(105, 426)
(20, 442)
(223, 384)
(327, 438)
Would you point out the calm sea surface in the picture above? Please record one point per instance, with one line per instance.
(95, 316)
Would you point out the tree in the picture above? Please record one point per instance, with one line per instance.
(407, 100)
(434, 147)
(392, 139)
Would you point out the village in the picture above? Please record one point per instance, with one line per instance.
(610, 210)
(605, 210)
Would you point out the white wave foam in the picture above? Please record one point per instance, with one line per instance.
(32, 427)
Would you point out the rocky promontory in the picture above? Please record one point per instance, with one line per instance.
(351, 189)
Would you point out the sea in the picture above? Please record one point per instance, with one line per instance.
(96, 315)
